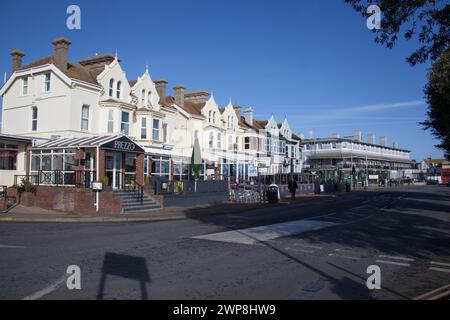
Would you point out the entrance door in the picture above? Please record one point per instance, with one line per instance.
(113, 168)
(117, 183)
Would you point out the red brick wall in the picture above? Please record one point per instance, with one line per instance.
(101, 167)
(140, 169)
(71, 200)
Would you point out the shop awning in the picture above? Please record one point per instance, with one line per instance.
(113, 143)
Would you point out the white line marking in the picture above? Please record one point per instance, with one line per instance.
(440, 264)
(47, 290)
(308, 246)
(394, 263)
(440, 269)
(11, 247)
(268, 232)
(299, 250)
(395, 258)
(341, 256)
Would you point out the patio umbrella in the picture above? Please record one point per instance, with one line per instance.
(196, 159)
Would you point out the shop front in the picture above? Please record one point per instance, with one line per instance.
(117, 161)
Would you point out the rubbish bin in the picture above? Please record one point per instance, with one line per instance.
(272, 194)
(348, 185)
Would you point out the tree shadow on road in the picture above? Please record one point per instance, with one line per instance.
(125, 266)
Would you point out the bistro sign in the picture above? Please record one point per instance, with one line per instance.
(123, 144)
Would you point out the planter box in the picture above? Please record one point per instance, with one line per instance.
(27, 199)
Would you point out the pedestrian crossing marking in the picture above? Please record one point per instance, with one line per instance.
(269, 232)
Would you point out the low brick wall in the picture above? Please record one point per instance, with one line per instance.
(71, 200)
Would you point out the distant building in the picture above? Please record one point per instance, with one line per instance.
(338, 158)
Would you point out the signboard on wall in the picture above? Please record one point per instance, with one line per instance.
(123, 144)
(252, 171)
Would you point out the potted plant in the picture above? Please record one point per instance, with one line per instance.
(106, 184)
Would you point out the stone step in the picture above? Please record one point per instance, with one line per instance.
(139, 208)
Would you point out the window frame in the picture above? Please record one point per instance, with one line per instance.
(119, 90)
(83, 118)
(156, 130)
(144, 128)
(47, 82)
(110, 121)
(125, 126)
(111, 87)
(25, 84)
(34, 118)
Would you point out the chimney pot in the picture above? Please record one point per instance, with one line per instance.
(17, 56)
(61, 49)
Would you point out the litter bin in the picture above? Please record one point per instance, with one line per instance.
(348, 185)
(272, 194)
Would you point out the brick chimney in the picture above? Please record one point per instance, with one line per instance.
(161, 88)
(179, 94)
(197, 96)
(248, 114)
(17, 56)
(61, 50)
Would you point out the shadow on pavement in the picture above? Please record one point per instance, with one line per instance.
(129, 267)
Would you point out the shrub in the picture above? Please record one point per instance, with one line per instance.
(26, 186)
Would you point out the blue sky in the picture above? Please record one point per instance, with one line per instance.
(313, 61)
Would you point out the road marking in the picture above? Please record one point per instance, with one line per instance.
(3, 246)
(395, 258)
(299, 250)
(47, 290)
(394, 263)
(268, 232)
(308, 246)
(342, 256)
(440, 269)
(440, 264)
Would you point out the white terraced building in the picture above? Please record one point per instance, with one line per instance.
(54, 100)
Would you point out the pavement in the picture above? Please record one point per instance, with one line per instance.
(21, 213)
(315, 249)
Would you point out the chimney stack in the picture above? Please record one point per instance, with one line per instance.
(310, 134)
(357, 135)
(179, 94)
(383, 141)
(336, 135)
(161, 88)
(371, 138)
(61, 51)
(237, 108)
(197, 96)
(17, 56)
(248, 114)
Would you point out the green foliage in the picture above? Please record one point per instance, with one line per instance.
(147, 180)
(428, 21)
(26, 186)
(437, 92)
(105, 181)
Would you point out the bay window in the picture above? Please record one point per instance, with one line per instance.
(156, 129)
(125, 123)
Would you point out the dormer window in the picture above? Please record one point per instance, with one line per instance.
(209, 116)
(111, 87)
(214, 117)
(119, 85)
(143, 98)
